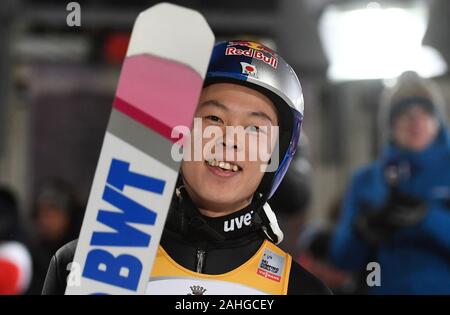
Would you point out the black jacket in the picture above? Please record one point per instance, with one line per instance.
(186, 234)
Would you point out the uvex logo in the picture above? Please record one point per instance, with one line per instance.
(238, 222)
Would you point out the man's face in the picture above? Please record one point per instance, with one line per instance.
(415, 129)
(52, 222)
(216, 187)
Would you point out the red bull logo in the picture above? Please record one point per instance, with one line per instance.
(252, 45)
(255, 51)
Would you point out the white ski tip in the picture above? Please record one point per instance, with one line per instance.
(175, 33)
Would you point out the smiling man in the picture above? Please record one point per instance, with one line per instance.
(225, 180)
(220, 235)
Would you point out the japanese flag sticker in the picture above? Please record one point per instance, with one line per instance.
(249, 69)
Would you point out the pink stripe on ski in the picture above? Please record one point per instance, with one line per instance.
(159, 93)
(135, 113)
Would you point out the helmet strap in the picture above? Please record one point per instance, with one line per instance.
(266, 218)
(272, 229)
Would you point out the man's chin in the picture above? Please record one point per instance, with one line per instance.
(418, 146)
(218, 204)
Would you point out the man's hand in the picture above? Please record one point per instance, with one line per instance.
(403, 210)
(378, 226)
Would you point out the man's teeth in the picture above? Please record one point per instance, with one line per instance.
(224, 165)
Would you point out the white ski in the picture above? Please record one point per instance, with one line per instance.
(158, 89)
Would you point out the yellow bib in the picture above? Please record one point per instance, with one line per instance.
(267, 272)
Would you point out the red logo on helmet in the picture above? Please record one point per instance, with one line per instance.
(255, 51)
(252, 45)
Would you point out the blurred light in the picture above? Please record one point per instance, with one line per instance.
(390, 82)
(52, 48)
(373, 5)
(115, 47)
(375, 42)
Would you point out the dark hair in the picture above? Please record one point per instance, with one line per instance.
(9, 216)
(402, 105)
(60, 193)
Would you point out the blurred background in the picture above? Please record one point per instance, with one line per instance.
(57, 85)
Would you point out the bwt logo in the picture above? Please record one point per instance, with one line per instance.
(123, 270)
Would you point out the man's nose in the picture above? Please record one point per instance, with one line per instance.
(229, 142)
(232, 139)
(415, 118)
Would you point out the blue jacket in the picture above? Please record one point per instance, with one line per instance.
(417, 260)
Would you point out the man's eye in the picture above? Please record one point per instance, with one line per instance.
(253, 129)
(214, 118)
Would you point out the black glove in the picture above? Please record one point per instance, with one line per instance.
(403, 210)
(371, 225)
(447, 204)
(378, 226)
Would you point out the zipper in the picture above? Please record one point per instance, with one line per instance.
(200, 260)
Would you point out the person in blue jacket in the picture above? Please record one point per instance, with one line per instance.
(397, 210)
